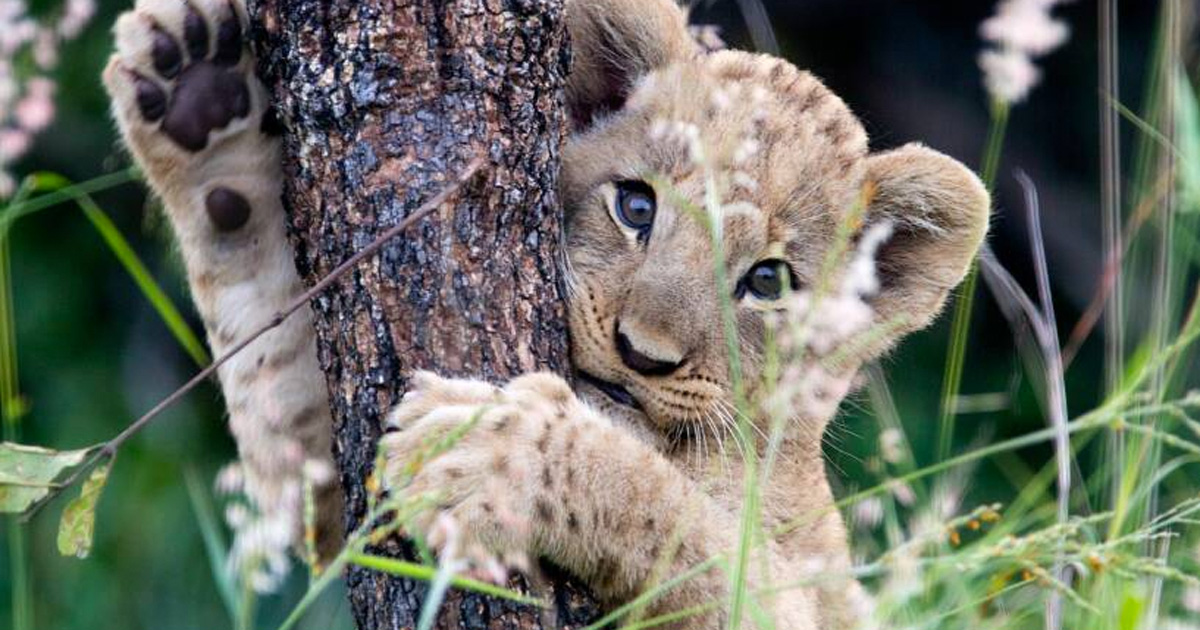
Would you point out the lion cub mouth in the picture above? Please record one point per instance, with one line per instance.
(617, 393)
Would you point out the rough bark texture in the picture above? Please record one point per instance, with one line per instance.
(384, 102)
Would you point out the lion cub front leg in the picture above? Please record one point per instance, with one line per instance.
(533, 470)
(196, 119)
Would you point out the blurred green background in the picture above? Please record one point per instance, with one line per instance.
(93, 355)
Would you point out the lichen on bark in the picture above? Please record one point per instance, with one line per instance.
(383, 102)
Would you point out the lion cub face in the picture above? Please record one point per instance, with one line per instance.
(681, 160)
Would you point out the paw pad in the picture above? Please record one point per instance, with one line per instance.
(198, 88)
(227, 209)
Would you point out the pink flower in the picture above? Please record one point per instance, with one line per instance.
(35, 110)
(13, 144)
(75, 16)
(868, 513)
(15, 34)
(45, 49)
(1191, 599)
(27, 102)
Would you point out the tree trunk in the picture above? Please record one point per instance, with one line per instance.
(384, 102)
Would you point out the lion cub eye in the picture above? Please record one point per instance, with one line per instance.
(765, 280)
(635, 206)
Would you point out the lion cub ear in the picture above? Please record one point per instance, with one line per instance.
(615, 43)
(939, 211)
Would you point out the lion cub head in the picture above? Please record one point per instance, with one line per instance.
(660, 127)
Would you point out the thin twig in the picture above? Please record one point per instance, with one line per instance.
(109, 449)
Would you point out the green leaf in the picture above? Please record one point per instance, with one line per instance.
(28, 473)
(79, 517)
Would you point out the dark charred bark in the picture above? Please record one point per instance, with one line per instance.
(384, 102)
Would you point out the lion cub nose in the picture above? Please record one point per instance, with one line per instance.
(645, 358)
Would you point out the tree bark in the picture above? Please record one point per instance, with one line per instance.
(383, 103)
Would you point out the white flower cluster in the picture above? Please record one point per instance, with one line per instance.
(1020, 31)
(262, 539)
(27, 97)
(828, 321)
(817, 325)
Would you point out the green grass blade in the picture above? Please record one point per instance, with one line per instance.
(436, 594)
(61, 190)
(11, 407)
(22, 595)
(214, 543)
(425, 573)
(11, 410)
(961, 323)
(331, 573)
(141, 276)
(66, 192)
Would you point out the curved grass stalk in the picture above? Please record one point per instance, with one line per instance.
(709, 216)
(151, 290)
(679, 615)
(65, 193)
(658, 591)
(214, 545)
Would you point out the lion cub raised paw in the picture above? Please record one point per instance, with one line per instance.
(191, 110)
(196, 119)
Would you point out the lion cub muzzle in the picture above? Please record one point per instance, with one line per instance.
(644, 354)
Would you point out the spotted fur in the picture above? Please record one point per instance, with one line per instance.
(620, 492)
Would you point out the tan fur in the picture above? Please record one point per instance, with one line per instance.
(274, 390)
(810, 171)
(613, 494)
(543, 473)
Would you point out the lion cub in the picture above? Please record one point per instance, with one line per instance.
(614, 481)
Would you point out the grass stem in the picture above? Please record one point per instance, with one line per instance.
(961, 322)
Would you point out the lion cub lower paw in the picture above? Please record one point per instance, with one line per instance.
(485, 456)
